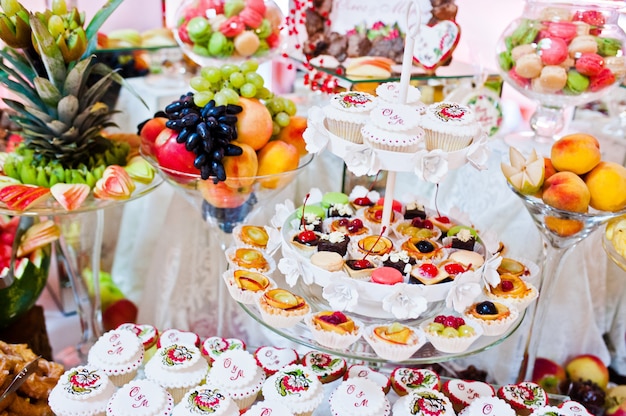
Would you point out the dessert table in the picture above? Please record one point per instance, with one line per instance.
(165, 258)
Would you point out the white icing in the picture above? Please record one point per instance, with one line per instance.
(343, 209)
(116, 351)
(405, 140)
(359, 396)
(296, 386)
(176, 366)
(274, 358)
(206, 399)
(390, 92)
(175, 336)
(353, 102)
(488, 406)
(266, 408)
(236, 372)
(395, 117)
(334, 237)
(363, 371)
(142, 397)
(423, 402)
(466, 391)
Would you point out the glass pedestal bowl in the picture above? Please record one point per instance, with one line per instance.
(215, 31)
(562, 54)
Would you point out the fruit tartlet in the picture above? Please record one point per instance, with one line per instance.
(512, 290)
(423, 248)
(254, 236)
(405, 379)
(250, 259)
(417, 227)
(373, 217)
(394, 342)
(494, 318)
(327, 367)
(374, 246)
(428, 273)
(359, 397)
(246, 286)
(306, 241)
(423, 402)
(271, 359)
(451, 334)
(360, 269)
(518, 267)
(523, 397)
(348, 226)
(442, 222)
(281, 308)
(334, 329)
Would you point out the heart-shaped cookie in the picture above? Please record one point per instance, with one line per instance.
(525, 395)
(327, 367)
(148, 334)
(404, 379)
(435, 44)
(272, 359)
(463, 392)
(213, 347)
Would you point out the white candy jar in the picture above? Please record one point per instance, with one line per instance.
(563, 53)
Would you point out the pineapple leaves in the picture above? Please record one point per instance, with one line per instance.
(47, 91)
(76, 77)
(102, 69)
(67, 109)
(50, 53)
(96, 22)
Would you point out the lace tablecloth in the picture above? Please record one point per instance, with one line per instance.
(168, 264)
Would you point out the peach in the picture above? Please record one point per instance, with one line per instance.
(221, 195)
(588, 367)
(563, 227)
(254, 123)
(566, 191)
(578, 153)
(292, 134)
(241, 170)
(607, 186)
(548, 167)
(277, 157)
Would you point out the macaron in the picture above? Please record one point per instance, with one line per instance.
(386, 276)
(316, 210)
(603, 79)
(395, 205)
(563, 30)
(590, 64)
(529, 66)
(333, 198)
(327, 260)
(553, 78)
(552, 50)
(582, 44)
(577, 83)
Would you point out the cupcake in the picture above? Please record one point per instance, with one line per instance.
(213, 347)
(394, 342)
(176, 336)
(271, 359)
(462, 392)
(246, 286)
(389, 92)
(512, 290)
(423, 402)
(81, 391)
(281, 308)
(363, 371)
(404, 380)
(450, 334)
(523, 397)
(393, 127)
(449, 126)
(237, 373)
(488, 406)
(295, 386)
(326, 367)
(140, 398)
(177, 368)
(347, 113)
(266, 408)
(359, 397)
(494, 318)
(119, 353)
(206, 400)
(148, 335)
(334, 329)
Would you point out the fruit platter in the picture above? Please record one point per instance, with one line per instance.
(285, 280)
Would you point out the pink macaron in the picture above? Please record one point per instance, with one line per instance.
(552, 50)
(386, 276)
(590, 64)
(563, 30)
(605, 78)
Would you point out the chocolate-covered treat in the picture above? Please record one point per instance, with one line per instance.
(358, 45)
(323, 7)
(445, 11)
(335, 241)
(338, 46)
(414, 210)
(314, 23)
(389, 48)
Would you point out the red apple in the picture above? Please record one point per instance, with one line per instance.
(588, 367)
(119, 312)
(149, 132)
(548, 375)
(172, 155)
(615, 401)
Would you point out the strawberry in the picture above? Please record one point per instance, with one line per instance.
(70, 195)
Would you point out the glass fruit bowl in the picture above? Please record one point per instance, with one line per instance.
(211, 31)
(563, 53)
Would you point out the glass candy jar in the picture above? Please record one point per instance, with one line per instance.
(562, 54)
(212, 31)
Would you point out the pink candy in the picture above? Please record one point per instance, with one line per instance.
(553, 50)
(590, 64)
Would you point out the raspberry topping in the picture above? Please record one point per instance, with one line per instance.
(335, 318)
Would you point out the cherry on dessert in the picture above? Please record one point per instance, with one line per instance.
(306, 236)
(361, 264)
(486, 308)
(429, 270)
(363, 201)
(343, 222)
(459, 321)
(444, 220)
(357, 223)
(454, 268)
(378, 215)
(506, 285)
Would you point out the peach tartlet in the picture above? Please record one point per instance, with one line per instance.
(373, 245)
(514, 290)
(394, 342)
(282, 308)
(251, 259)
(334, 329)
(254, 236)
(246, 285)
(493, 317)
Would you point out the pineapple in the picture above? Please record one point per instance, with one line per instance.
(61, 115)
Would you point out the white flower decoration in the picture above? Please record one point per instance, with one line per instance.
(282, 212)
(459, 215)
(490, 270)
(405, 302)
(315, 196)
(315, 135)
(360, 160)
(478, 153)
(274, 241)
(292, 270)
(431, 166)
(360, 191)
(465, 289)
(490, 241)
(341, 293)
